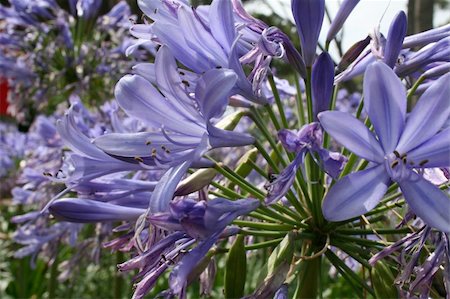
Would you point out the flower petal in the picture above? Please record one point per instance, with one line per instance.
(140, 99)
(352, 134)
(308, 15)
(87, 211)
(385, 103)
(322, 83)
(394, 41)
(222, 23)
(433, 153)
(212, 91)
(428, 202)
(355, 194)
(428, 116)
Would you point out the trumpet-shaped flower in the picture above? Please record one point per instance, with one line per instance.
(402, 145)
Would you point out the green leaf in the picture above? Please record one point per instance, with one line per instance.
(236, 269)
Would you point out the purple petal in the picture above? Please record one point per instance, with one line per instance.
(428, 116)
(394, 41)
(288, 139)
(428, 202)
(224, 138)
(212, 91)
(179, 276)
(344, 11)
(140, 99)
(433, 153)
(169, 82)
(86, 211)
(308, 15)
(322, 83)
(284, 181)
(222, 23)
(355, 194)
(385, 103)
(352, 134)
(332, 162)
(164, 191)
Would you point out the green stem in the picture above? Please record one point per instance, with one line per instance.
(414, 88)
(118, 279)
(276, 95)
(309, 100)
(54, 275)
(264, 226)
(272, 116)
(299, 102)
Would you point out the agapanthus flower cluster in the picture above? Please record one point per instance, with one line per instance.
(48, 52)
(207, 156)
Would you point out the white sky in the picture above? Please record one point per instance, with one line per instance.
(366, 15)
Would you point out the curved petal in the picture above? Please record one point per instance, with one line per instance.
(88, 211)
(428, 202)
(385, 103)
(433, 153)
(355, 194)
(212, 91)
(352, 134)
(428, 116)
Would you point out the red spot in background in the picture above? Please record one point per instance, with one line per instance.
(3, 96)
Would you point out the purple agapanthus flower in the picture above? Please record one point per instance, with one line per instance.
(187, 222)
(307, 139)
(404, 144)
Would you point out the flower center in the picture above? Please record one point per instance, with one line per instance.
(396, 165)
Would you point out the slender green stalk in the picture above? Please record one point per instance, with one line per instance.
(118, 279)
(414, 88)
(265, 244)
(276, 95)
(299, 103)
(272, 116)
(52, 284)
(264, 226)
(309, 101)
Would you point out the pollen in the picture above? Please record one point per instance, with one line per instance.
(148, 142)
(422, 163)
(139, 159)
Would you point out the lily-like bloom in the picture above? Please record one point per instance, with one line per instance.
(308, 16)
(307, 139)
(344, 11)
(322, 81)
(188, 222)
(403, 144)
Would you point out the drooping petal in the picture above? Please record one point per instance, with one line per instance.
(427, 201)
(322, 83)
(352, 134)
(433, 153)
(212, 91)
(385, 103)
(344, 11)
(394, 41)
(355, 194)
(332, 162)
(428, 116)
(308, 15)
(88, 211)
